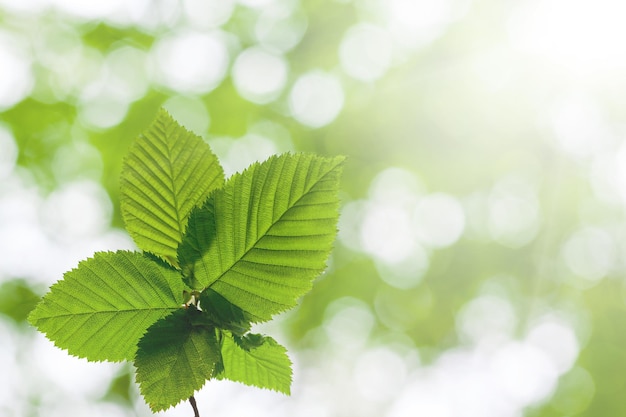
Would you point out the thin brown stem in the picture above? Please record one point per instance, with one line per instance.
(192, 401)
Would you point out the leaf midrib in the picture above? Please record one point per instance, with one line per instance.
(170, 167)
(121, 311)
(226, 270)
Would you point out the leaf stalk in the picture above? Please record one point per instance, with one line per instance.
(192, 401)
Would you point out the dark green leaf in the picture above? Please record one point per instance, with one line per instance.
(175, 358)
(223, 313)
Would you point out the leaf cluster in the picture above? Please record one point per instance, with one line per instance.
(217, 256)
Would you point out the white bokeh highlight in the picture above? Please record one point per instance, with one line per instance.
(589, 253)
(416, 23)
(87, 11)
(365, 52)
(259, 76)
(580, 53)
(236, 155)
(513, 211)
(8, 151)
(280, 29)
(208, 13)
(486, 318)
(316, 99)
(400, 224)
(189, 61)
(17, 79)
(439, 220)
(189, 111)
(580, 127)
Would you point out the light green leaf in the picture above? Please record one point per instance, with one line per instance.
(100, 310)
(256, 360)
(175, 358)
(261, 239)
(167, 172)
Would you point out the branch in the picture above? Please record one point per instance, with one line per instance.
(192, 401)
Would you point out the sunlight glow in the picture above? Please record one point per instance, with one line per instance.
(365, 52)
(416, 23)
(582, 37)
(581, 128)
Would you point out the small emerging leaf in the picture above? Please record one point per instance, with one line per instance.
(101, 309)
(167, 172)
(261, 239)
(175, 358)
(256, 360)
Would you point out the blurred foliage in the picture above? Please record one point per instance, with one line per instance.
(528, 140)
(120, 390)
(17, 299)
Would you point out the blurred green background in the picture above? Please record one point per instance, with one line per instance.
(479, 266)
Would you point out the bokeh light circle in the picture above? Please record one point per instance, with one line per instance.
(365, 52)
(316, 99)
(188, 61)
(259, 76)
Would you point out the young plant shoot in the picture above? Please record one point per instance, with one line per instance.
(217, 256)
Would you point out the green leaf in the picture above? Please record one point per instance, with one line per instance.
(175, 358)
(256, 360)
(223, 313)
(167, 172)
(261, 239)
(101, 309)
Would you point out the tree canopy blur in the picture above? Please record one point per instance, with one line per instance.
(478, 269)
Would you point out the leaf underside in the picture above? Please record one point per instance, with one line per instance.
(261, 239)
(174, 359)
(256, 360)
(167, 172)
(100, 310)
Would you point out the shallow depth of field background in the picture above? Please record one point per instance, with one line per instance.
(480, 265)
